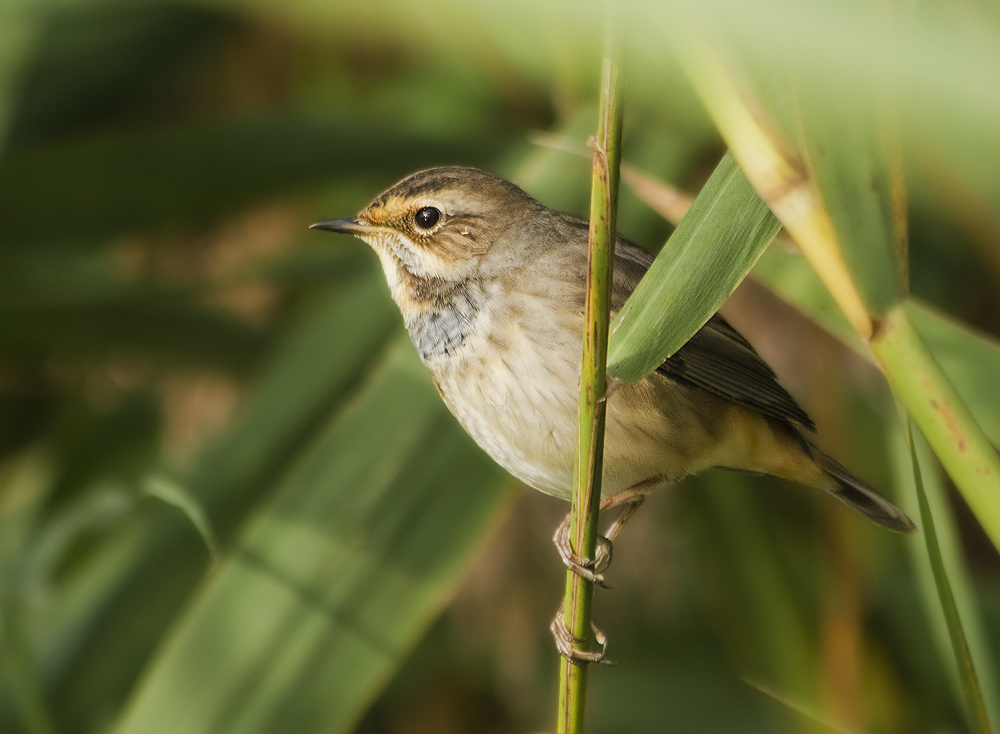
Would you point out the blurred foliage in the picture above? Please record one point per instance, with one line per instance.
(166, 319)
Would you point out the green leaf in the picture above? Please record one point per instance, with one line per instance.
(848, 147)
(943, 417)
(711, 251)
(333, 581)
(174, 494)
(954, 563)
(975, 707)
(25, 483)
(156, 556)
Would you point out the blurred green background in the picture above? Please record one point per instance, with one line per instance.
(230, 499)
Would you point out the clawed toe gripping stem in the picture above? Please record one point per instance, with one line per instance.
(588, 568)
(565, 642)
(591, 569)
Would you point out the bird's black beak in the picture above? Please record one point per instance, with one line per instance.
(344, 226)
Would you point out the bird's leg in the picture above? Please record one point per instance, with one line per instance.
(565, 641)
(604, 549)
(592, 569)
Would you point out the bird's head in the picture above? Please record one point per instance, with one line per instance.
(432, 230)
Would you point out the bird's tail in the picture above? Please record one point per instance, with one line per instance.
(859, 495)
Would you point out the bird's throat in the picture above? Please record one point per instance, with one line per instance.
(444, 319)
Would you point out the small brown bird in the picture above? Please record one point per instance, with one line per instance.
(491, 286)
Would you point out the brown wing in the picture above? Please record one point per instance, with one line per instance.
(720, 360)
(717, 358)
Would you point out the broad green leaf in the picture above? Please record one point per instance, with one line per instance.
(321, 358)
(711, 251)
(157, 556)
(332, 583)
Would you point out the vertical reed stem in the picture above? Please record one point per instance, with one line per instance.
(590, 449)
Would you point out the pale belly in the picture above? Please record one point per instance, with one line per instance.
(518, 408)
(519, 401)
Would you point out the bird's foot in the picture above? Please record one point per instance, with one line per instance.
(565, 642)
(591, 569)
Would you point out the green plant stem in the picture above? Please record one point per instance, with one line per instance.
(590, 448)
(957, 440)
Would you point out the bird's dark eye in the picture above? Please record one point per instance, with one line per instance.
(426, 217)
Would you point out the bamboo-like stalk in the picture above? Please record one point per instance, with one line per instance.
(590, 447)
(952, 432)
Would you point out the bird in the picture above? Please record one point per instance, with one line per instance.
(491, 286)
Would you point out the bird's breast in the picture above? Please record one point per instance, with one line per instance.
(510, 374)
(512, 383)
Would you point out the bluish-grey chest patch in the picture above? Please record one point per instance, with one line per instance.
(444, 327)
